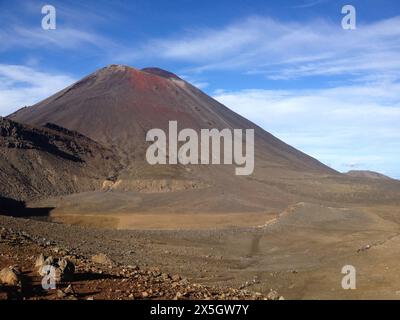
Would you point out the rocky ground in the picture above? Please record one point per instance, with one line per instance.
(89, 276)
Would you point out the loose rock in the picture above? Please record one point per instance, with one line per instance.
(63, 268)
(10, 276)
(101, 258)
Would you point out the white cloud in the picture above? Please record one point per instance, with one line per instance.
(21, 86)
(61, 38)
(343, 125)
(309, 4)
(285, 50)
(200, 84)
(76, 25)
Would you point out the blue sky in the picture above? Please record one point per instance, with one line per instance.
(286, 65)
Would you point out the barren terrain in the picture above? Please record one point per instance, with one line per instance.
(299, 254)
(73, 170)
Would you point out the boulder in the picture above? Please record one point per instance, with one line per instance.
(10, 276)
(64, 268)
(39, 262)
(101, 258)
(273, 295)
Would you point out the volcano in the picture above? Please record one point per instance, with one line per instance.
(115, 107)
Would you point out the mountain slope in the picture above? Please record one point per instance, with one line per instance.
(367, 174)
(39, 162)
(117, 105)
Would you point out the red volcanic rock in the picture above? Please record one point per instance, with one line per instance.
(161, 73)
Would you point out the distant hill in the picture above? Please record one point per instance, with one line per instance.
(367, 174)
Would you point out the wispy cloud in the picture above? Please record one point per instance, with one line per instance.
(21, 86)
(286, 50)
(62, 38)
(201, 84)
(76, 27)
(309, 4)
(254, 45)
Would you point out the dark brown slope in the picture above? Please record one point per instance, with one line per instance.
(367, 174)
(117, 105)
(38, 162)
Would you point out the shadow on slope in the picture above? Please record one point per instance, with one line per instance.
(14, 208)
